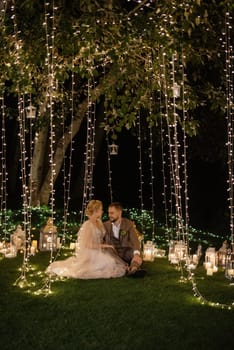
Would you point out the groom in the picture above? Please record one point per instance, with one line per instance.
(122, 234)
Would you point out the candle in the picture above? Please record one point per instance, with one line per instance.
(32, 250)
(209, 271)
(72, 245)
(148, 255)
(230, 272)
(34, 244)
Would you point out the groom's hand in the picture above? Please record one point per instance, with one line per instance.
(136, 260)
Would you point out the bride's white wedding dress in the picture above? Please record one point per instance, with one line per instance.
(91, 261)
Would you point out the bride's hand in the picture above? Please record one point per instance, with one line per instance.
(108, 246)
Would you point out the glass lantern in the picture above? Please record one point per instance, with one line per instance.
(148, 252)
(176, 90)
(48, 237)
(31, 112)
(222, 254)
(211, 261)
(18, 238)
(229, 268)
(113, 149)
(177, 251)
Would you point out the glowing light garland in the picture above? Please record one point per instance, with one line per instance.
(50, 63)
(162, 138)
(67, 178)
(22, 280)
(229, 76)
(89, 153)
(109, 163)
(175, 146)
(141, 176)
(185, 146)
(152, 177)
(229, 99)
(151, 157)
(229, 116)
(3, 170)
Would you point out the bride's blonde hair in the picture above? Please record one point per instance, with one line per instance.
(92, 206)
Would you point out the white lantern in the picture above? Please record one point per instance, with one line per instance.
(229, 273)
(222, 254)
(48, 237)
(148, 252)
(211, 261)
(113, 149)
(177, 251)
(181, 250)
(229, 270)
(18, 238)
(11, 252)
(171, 254)
(176, 90)
(159, 253)
(33, 248)
(31, 112)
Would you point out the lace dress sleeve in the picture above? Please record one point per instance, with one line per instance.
(89, 236)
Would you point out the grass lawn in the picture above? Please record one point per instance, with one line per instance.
(156, 312)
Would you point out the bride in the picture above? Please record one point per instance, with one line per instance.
(94, 259)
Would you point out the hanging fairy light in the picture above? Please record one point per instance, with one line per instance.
(3, 149)
(225, 255)
(50, 28)
(109, 166)
(22, 279)
(151, 157)
(175, 146)
(3, 172)
(178, 247)
(184, 146)
(172, 135)
(229, 70)
(67, 173)
(108, 143)
(51, 58)
(162, 139)
(90, 148)
(141, 177)
(3, 10)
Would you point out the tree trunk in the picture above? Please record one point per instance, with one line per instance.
(63, 143)
(61, 148)
(37, 164)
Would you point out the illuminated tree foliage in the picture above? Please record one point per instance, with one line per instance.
(67, 55)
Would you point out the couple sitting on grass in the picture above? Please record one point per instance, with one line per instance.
(106, 249)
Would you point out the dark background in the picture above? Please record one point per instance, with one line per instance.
(207, 177)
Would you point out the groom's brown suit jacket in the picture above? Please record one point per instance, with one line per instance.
(128, 240)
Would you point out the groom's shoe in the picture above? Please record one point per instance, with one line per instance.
(136, 273)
